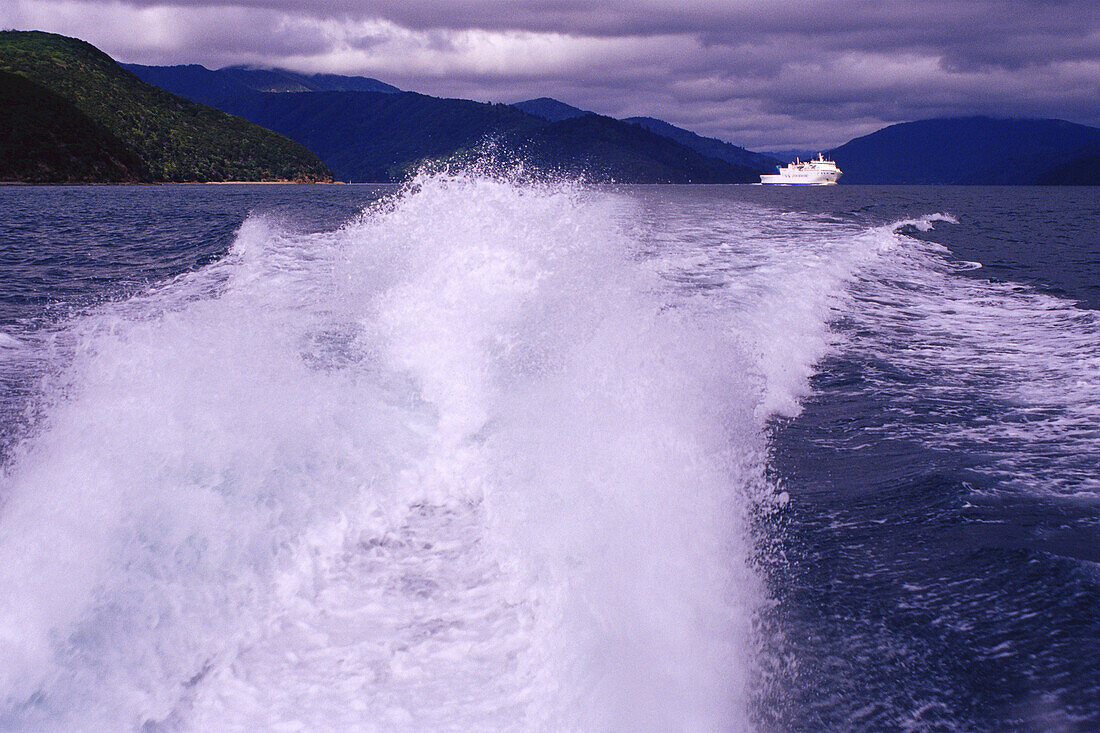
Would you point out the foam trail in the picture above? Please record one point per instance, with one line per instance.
(999, 370)
(455, 465)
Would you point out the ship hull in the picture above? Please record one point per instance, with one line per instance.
(776, 180)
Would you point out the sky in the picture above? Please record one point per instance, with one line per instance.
(766, 74)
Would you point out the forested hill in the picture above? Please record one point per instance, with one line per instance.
(45, 139)
(709, 146)
(73, 114)
(973, 150)
(550, 109)
(191, 80)
(382, 136)
(554, 110)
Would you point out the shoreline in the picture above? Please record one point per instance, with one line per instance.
(176, 183)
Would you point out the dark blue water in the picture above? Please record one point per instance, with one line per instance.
(937, 566)
(939, 584)
(67, 246)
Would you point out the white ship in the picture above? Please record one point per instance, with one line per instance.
(817, 172)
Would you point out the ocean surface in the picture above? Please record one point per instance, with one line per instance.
(481, 454)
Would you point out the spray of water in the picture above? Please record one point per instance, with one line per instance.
(487, 457)
(456, 464)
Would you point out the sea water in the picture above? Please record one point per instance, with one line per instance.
(479, 453)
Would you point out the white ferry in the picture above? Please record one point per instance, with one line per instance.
(817, 172)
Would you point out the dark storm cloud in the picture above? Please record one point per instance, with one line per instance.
(766, 72)
(969, 32)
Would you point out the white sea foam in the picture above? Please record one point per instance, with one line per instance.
(484, 458)
(998, 371)
(777, 279)
(455, 465)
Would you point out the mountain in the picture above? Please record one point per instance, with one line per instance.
(790, 155)
(281, 80)
(550, 109)
(371, 136)
(708, 146)
(79, 100)
(45, 138)
(969, 150)
(195, 79)
(553, 110)
(376, 136)
(1082, 170)
(605, 149)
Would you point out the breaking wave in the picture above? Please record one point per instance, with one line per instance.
(488, 456)
(455, 464)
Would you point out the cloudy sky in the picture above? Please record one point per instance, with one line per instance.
(768, 74)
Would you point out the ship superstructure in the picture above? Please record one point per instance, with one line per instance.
(816, 172)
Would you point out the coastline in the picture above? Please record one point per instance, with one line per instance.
(172, 183)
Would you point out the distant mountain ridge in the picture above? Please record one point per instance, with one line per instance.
(199, 79)
(972, 150)
(551, 109)
(68, 112)
(554, 110)
(282, 80)
(709, 146)
(382, 136)
(73, 100)
(791, 154)
(604, 148)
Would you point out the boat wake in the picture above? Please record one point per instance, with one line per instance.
(456, 464)
(491, 455)
(997, 371)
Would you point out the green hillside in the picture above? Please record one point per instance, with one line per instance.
(164, 137)
(45, 138)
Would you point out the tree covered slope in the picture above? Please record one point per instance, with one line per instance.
(191, 79)
(550, 109)
(382, 136)
(708, 146)
(167, 138)
(44, 138)
(970, 150)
